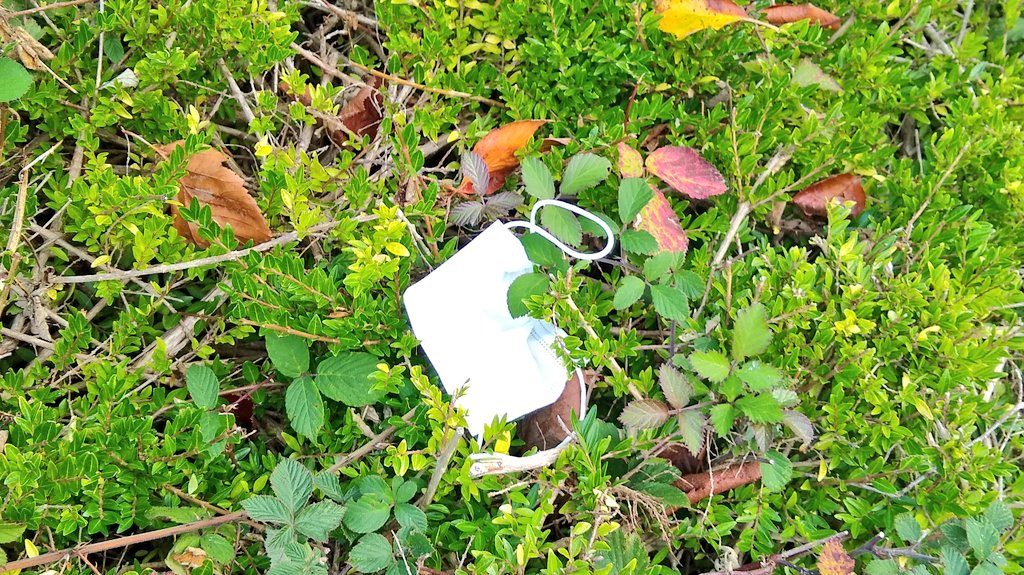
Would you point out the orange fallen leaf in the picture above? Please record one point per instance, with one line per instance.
(834, 560)
(660, 220)
(814, 199)
(631, 163)
(215, 185)
(192, 557)
(686, 171)
(362, 114)
(684, 17)
(789, 13)
(698, 486)
(498, 149)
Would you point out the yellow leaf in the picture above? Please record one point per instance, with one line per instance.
(684, 17)
(397, 249)
(30, 549)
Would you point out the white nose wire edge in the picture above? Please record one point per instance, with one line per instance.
(533, 227)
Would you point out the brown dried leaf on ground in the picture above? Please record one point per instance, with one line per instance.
(498, 149)
(545, 428)
(814, 199)
(362, 114)
(215, 185)
(699, 486)
(789, 13)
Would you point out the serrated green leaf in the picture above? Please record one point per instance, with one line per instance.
(630, 290)
(267, 509)
(562, 224)
(525, 287)
(691, 425)
(954, 562)
(670, 303)
(981, 536)
(986, 568)
(644, 413)
(907, 527)
(289, 567)
(799, 424)
(955, 534)
(776, 472)
(411, 516)
(584, 172)
(217, 547)
(292, 483)
(14, 80)
(372, 553)
(760, 408)
(675, 385)
(882, 567)
(373, 485)
(759, 376)
(288, 353)
(750, 334)
(731, 388)
(406, 491)
(346, 378)
(542, 252)
(275, 541)
(368, 513)
(711, 365)
(634, 193)
(537, 179)
(316, 521)
(304, 406)
(330, 486)
(690, 284)
(638, 242)
(999, 515)
(202, 386)
(10, 532)
(669, 495)
(658, 265)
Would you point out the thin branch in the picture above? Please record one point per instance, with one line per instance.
(46, 7)
(236, 91)
(369, 446)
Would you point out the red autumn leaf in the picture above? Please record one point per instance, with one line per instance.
(789, 13)
(631, 163)
(498, 149)
(814, 199)
(698, 486)
(214, 185)
(546, 427)
(660, 220)
(362, 114)
(834, 560)
(687, 172)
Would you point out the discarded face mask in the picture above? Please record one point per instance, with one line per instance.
(493, 364)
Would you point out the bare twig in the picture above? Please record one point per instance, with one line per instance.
(236, 91)
(370, 445)
(44, 8)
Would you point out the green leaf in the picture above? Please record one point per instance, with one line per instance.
(644, 413)
(954, 562)
(750, 332)
(288, 567)
(907, 527)
(630, 290)
(330, 486)
(346, 378)
(537, 179)
(675, 385)
(202, 386)
(955, 534)
(562, 224)
(982, 537)
(759, 376)
(10, 532)
(523, 287)
(711, 365)
(638, 242)
(881, 567)
(668, 494)
(304, 406)
(217, 547)
(372, 553)
(731, 388)
(670, 303)
(406, 491)
(373, 485)
(634, 193)
(410, 516)
(267, 509)
(316, 521)
(658, 265)
(691, 425)
(14, 80)
(292, 483)
(690, 283)
(776, 472)
(542, 252)
(999, 515)
(288, 353)
(760, 408)
(368, 513)
(584, 172)
(799, 424)
(275, 542)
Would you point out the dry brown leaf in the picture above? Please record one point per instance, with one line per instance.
(215, 185)
(29, 50)
(192, 557)
(834, 560)
(306, 98)
(546, 427)
(698, 486)
(498, 149)
(362, 114)
(789, 13)
(814, 199)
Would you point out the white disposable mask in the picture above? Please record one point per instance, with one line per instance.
(502, 366)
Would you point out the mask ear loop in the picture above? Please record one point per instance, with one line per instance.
(533, 227)
(499, 463)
